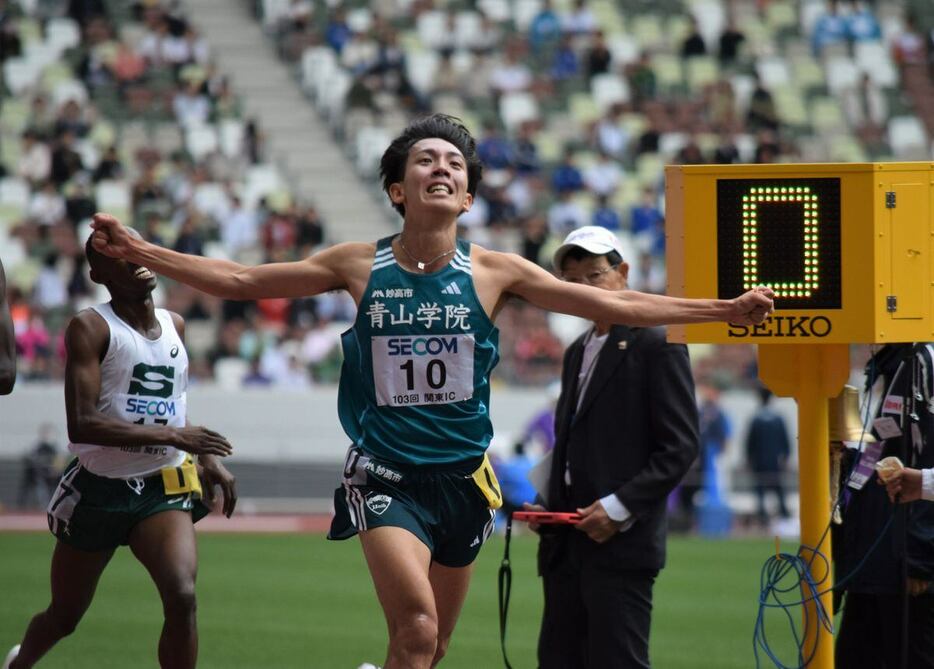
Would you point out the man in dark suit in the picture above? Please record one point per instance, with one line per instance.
(626, 432)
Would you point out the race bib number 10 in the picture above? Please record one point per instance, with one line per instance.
(423, 369)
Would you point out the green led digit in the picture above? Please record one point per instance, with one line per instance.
(800, 288)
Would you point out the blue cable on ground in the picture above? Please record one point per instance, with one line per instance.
(785, 575)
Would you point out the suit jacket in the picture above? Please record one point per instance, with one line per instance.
(635, 435)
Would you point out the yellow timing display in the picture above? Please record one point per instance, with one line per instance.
(848, 249)
(799, 216)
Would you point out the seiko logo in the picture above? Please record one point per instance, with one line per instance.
(785, 326)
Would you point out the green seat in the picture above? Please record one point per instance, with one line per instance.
(583, 108)
(668, 72)
(14, 115)
(701, 71)
(826, 115)
(647, 29)
(790, 105)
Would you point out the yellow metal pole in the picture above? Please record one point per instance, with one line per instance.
(811, 374)
(814, 495)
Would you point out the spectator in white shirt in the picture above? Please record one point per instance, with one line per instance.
(604, 176)
(47, 206)
(35, 160)
(566, 214)
(240, 228)
(510, 75)
(190, 106)
(580, 21)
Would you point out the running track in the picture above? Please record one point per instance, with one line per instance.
(277, 523)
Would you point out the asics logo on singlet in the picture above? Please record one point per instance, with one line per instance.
(152, 380)
(421, 345)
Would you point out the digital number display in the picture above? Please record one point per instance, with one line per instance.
(781, 233)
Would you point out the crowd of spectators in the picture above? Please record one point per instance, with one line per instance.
(74, 143)
(576, 105)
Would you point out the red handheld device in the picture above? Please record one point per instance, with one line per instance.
(547, 517)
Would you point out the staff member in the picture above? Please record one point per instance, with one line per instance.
(626, 432)
(888, 613)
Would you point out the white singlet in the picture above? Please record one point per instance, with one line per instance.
(142, 381)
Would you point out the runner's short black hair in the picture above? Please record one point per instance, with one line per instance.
(442, 126)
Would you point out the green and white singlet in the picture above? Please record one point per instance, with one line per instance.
(415, 382)
(142, 381)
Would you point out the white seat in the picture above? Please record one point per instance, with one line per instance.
(743, 87)
(317, 63)
(431, 27)
(261, 180)
(370, 144)
(200, 336)
(495, 10)
(229, 372)
(908, 138)
(874, 59)
(623, 49)
(421, 67)
(333, 98)
(523, 12)
(14, 191)
(468, 26)
(810, 11)
(200, 140)
(70, 89)
(42, 53)
(63, 32)
(842, 74)
(230, 137)
(360, 19)
(13, 252)
(773, 71)
(20, 74)
(711, 19)
(114, 197)
(273, 10)
(210, 198)
(609, 89)
(516, 108)
(670, 143)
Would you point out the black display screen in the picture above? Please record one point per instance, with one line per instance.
(781, 233)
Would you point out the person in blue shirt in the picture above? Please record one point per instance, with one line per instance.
(605, 215)
(415, 384)
(545, 28)
(567, 177)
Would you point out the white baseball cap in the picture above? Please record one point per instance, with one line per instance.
(593, 239)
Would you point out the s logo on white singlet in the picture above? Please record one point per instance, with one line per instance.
(413, 370)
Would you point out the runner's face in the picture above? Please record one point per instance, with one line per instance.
(124, 277)
(435, 179)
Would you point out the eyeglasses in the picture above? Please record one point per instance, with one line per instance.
(591, 279)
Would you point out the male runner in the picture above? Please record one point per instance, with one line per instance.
(414, 393)
(132, 481)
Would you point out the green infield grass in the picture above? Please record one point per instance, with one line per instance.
(290, 601)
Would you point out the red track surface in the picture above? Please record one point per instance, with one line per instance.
(34, 522)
